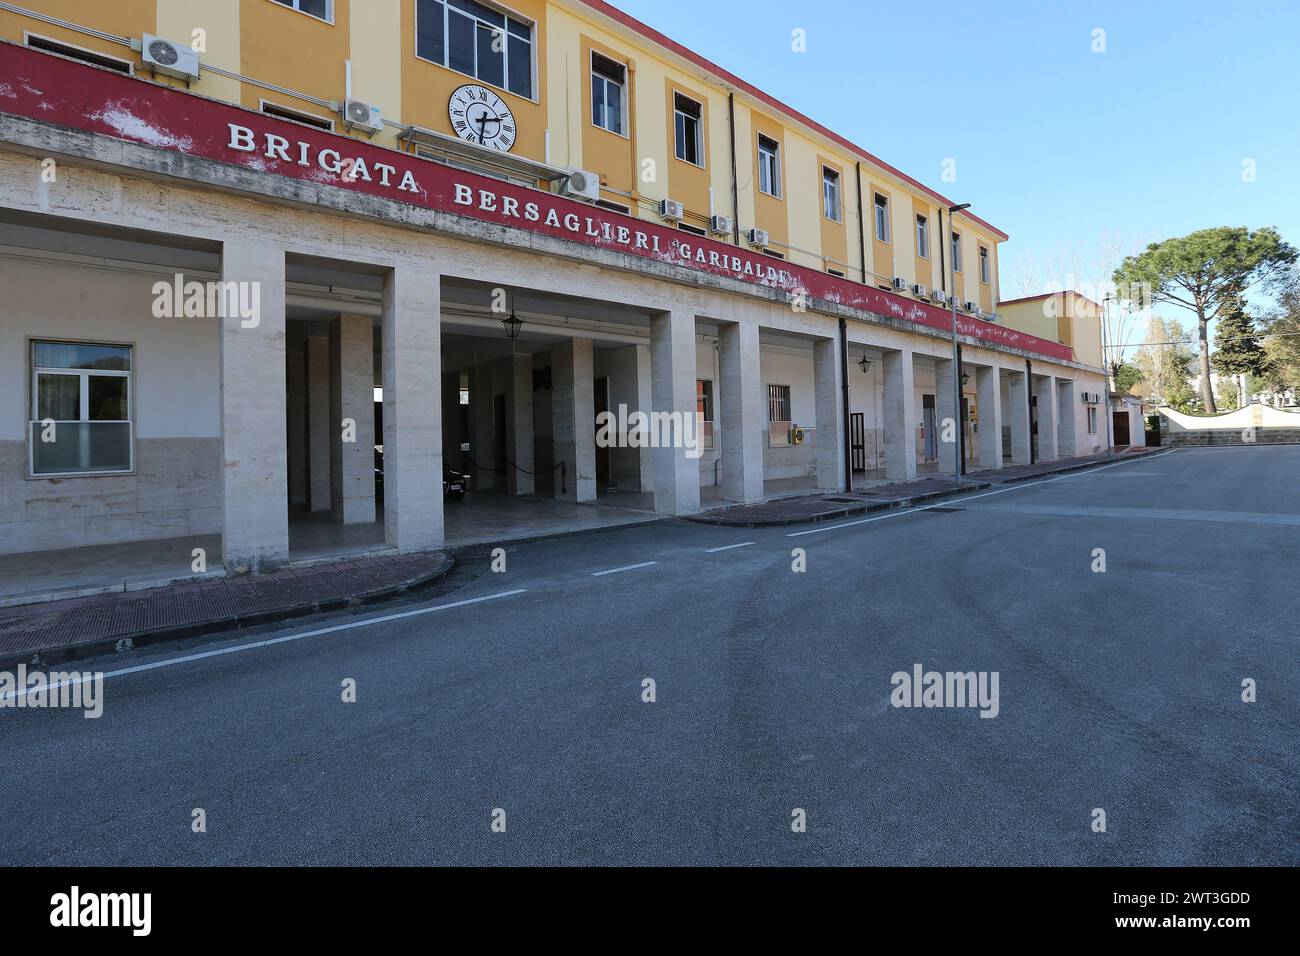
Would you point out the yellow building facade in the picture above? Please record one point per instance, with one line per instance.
(586, 88)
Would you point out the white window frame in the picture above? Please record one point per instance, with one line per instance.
(986, 263)
(956, 251)
(287, 113)
(699, 129)
(73, 49)
(923, 236)
(769, 161)
(774, 438)
(296, 5)
(622, 93)
(505, 55)
(881, 216)
(831, 180)
(84, 374)
(1092, 419)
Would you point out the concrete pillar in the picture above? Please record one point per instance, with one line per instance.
(988, 403)
(573, 407)
(352, 401)
(828, 396)
(645, 402)
(296, 388)
(412, 364)
(255, 469)
(451, 427)
(947, 417)
(1067, 407)
(1018, 416)
(741, 411)
(672, 375)
(1045, 392)
(483, 446)
(318, 422)
(520, 478)
(900, 415)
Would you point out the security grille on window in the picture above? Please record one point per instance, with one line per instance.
(922, 237)
(81, 404)
(830, 194)
(769, 166)
(704, 411)
(322, 9)
(778, 414)
(689, 128)
(956, 252)
(882, 218)
(608, 82)
(476, 40)
(984, 264)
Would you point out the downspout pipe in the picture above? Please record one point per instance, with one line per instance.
(862, 230)
(1029, 402)
(735, 188)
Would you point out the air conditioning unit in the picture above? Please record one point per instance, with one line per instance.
(581, 184)
(919, 290)
(362, 115)
(173, 59)
(938, 297)
(758, 237)
(722, 225)
(977, 311)
(900, 284)
(671, 209)
(1091, 398)
(992, 317)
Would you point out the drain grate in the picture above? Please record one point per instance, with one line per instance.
(946, 511)
(850, 501)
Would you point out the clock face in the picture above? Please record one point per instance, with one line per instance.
(480, 116)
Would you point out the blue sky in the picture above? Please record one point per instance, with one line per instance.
(1054, 144)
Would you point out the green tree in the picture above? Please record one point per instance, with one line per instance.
(1127, 376)
(1201, 270)
(1227, 396)
(1282, 341)
(1237, 346)
(1163, 362)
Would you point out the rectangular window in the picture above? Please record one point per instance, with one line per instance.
(922, 237)
(831, 194)
(689, 124)
(882, 218)
(693, 230)
(81, 409)
(1092, 419)
(46, 45)
(296, 116)
(956, 252)
(320, 9)
(608, 86)
(769, 166)
(984, 264)
(477, 40)
(778, 415)
(704, 411)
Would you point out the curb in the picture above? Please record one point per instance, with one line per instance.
(867, 507)
(122, 643)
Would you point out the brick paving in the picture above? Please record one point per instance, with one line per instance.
(903, 494)
(79, 627)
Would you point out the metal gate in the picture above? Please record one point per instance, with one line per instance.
(858, 441)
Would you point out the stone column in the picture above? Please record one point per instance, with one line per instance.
(1045, 393)
(828, 396)
(645, 402)
(520, 480)
(352, 462)
(947, 417)
(318, 421)
(988, 386)
(412, 364)
(1018, 417)
(741, 412)
(900, 415)
(296, 386)
(255, 469)
(1067, 408)
(573, 406)
(672, 380)
(483, 446)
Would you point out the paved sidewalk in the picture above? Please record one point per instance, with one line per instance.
(57, 631)
(902, 494)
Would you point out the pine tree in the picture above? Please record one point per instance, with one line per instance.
(1238, 350)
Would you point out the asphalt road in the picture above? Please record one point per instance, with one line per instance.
(1119, 690)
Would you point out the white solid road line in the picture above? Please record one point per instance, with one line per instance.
(728, 547)
(235, 649)
(949, 502)
(630, 567)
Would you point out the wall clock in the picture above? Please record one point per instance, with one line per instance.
(480, 116)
